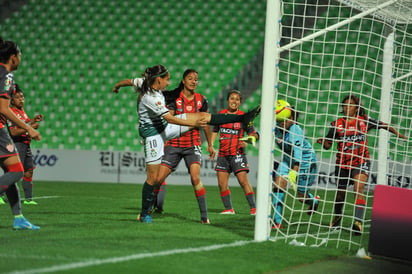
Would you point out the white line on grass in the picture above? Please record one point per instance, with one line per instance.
(95, 262)
(46, 197)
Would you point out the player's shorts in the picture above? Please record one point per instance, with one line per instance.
(345, 176)
(306, 176)
(7, 147)
(233, 164)
(154, 145)
(26, 156)
(173, 156)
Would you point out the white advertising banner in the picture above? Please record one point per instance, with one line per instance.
(129, 167)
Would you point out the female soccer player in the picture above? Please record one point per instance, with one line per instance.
(298, 165)
(232, 156)
(157, 124)
(188, 145)
(10, 57)
(22, 141)
(352, 159)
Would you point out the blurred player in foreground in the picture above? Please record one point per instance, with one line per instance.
(10, 57)
(298, 164)
(352, 159)
(157, 125)
(232, 157)
(22, 141)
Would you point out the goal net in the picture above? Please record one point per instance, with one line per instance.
(316, 53)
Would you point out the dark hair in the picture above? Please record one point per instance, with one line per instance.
(180, 87)
(234, 92)
(17, 89)
(294, 115)
(7, 49)
(150, 75)
(361, 110)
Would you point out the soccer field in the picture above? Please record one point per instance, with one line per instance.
(92, 228)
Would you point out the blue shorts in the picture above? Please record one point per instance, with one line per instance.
(306, 176)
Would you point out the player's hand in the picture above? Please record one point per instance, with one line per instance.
(293, 177)
(38, 118)
(116, 89)
(34, 134)
(250, 139)
(212, 152)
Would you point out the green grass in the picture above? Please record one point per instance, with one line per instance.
(84, 223)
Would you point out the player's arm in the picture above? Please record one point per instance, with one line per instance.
(327, 141)
(392, 130)
(190, 122)
(122, 83)
(210, 148)
(6, 111)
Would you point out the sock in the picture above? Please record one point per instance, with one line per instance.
(28, 187)
(201, 200)
(13, 195)
(250, 197)
(360, 209)
(147, 198)
(339, 202)
(226, 199)
(12, 175)
(161, 196)
(220, 119)
(277, 202)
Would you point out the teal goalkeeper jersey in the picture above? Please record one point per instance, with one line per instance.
(295, 146)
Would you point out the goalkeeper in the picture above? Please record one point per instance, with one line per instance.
(298, 164)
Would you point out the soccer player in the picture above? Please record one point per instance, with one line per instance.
(22, 141)
(10, 57)
(232, 157)
(188, 145)
(298, 165)
(352, 159)
(157, 125)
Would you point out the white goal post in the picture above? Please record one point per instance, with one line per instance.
(315, 52)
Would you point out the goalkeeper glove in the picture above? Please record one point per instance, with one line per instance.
(293, 177)
(250, 139)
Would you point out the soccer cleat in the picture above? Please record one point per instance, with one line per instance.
(204, 220)
(30, 202)
(249, 139)
(253, 211)
(249, 116)
(2, 202)
(228, 212)
(357, 228)
(21, 223)
(336, 222)
(312, 210)
(145, 219)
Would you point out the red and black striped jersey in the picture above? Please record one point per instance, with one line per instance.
(24, 138)
(7, 89)
(229, 143)
(352, 141)
(183, 105)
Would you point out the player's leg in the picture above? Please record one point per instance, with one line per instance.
(343, 179)
(220, 119)
(153, 149)
(359, 184)
(223, 182)
(307, 175)
(248, 190)
(279, 193)
(26, 158)
(193, 158)
(159, 198)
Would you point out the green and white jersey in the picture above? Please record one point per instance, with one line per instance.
(151, 109)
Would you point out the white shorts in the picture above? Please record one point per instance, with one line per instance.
(154, 145)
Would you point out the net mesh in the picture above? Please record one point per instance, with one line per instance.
(314, 76)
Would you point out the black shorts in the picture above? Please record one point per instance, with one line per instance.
(233, 164)
(26, 156)
(345, 176)
(173, 156)
(7, 147)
